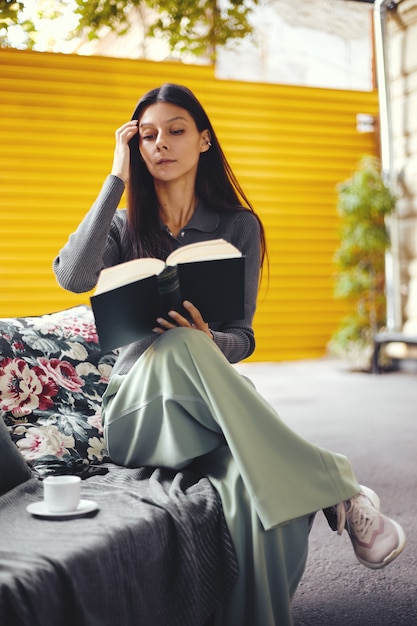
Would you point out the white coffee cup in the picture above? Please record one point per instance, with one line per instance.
(61, 494)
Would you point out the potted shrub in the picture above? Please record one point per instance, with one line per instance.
(364, 201)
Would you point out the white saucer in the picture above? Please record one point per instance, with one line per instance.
(39, 509)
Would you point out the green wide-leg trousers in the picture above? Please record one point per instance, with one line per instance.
(183, 402)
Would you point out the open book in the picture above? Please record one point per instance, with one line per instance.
(130, 296)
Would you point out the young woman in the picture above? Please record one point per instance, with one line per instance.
(174, 399)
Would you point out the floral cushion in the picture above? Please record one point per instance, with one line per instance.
(52, 377)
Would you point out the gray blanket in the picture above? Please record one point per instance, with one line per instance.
(156, 553)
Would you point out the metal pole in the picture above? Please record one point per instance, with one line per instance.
(392, 259)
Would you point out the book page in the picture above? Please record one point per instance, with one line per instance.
(203, 251)
(126, 273)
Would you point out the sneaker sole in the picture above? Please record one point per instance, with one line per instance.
(392, 555)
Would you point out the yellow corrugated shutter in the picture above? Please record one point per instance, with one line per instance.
(288, 145)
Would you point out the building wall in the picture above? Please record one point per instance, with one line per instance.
(289, 146)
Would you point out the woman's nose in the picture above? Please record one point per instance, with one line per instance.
(161, 141)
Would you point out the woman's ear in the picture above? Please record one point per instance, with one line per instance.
(205, 141)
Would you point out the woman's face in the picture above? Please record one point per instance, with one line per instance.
(170, 143)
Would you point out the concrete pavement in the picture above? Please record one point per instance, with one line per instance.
(373, 420)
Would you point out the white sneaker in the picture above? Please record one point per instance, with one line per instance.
(376, 539)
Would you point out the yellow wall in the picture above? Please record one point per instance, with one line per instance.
(289, 146)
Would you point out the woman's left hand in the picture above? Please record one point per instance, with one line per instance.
(179, 320)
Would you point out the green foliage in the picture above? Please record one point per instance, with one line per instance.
(9, 12)
(10, 16)
(190, 26)
(23, 26)
(193, 27)
(200, 28)
(97, 13)
(364, 202)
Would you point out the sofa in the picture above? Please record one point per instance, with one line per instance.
(153, 551)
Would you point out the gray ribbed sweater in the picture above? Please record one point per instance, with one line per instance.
(101, 240)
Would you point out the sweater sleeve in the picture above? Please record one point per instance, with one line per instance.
(237, 339)
(95, 244)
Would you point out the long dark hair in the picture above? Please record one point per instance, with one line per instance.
(216, 185)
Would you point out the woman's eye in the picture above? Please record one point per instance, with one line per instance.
(177, 131)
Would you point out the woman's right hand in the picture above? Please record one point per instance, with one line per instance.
(121, 158)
